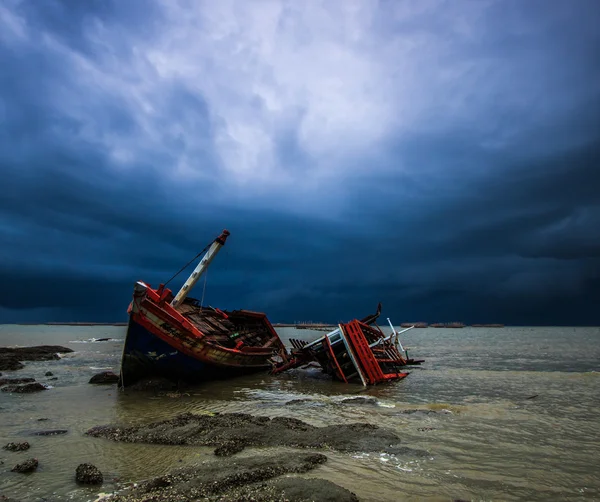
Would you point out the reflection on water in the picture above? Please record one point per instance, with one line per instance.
(504, 414)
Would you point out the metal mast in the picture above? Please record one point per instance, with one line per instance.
(215, 247)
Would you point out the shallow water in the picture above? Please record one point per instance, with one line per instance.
(485, 441)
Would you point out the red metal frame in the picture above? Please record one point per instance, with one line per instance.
(335, 361)
(370, 364)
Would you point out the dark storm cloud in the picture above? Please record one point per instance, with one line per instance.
(493, 217)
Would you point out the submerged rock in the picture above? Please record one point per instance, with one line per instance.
(153, 384)
(255, 479)
(231, 432)
(17, 446)
(49, 373)
(10, 363)
(25, 388)
(29, 465)
(88, 474)
(360, 400)
(55, 432)
(106, 377)
(7, 381)
(299, 401)
(11, 357)
(419, 412)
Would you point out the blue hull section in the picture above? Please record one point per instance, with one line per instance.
(146, 356)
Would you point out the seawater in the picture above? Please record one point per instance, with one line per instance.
(470, 408)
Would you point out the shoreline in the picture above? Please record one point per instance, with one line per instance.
(67, 323)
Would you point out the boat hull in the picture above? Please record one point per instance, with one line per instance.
(146, 356)
(191, 343)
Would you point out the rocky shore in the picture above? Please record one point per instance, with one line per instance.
(11, 359)
(269, 476)
(260, 478)
(257, 479)
(230, 433)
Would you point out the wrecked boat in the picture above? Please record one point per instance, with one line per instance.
(176, 337)
(357, 351)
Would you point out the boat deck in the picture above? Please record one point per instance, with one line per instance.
(231, 329)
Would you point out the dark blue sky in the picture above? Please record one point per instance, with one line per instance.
(440, 157)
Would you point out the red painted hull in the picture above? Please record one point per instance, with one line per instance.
(169, 342)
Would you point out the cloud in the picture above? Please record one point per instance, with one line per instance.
(439, 156)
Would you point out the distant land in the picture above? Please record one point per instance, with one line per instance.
(299, 325)
(70, 323)
(313, 325)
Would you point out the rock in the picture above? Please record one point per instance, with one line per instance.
(88, 474)
(417, 412)
(4, 498)
(298, 401)
(230, 432)
(10, 363)
(299, 489)
(106, 377)
(371, 401)
(7, 381)
(25, 389)
(43, 419)
(230, 447)
(17, 446)
(255, 479)
(153, 384)
(54, 432)
(49, 373)
(29, 465)
(10, 358)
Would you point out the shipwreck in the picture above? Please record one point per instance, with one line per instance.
(176, 337)
(354, 352)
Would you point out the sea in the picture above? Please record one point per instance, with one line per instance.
(499, 413)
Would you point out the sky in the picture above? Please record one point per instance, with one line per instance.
(441, 157)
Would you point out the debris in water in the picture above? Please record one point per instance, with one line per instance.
(357, 351)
